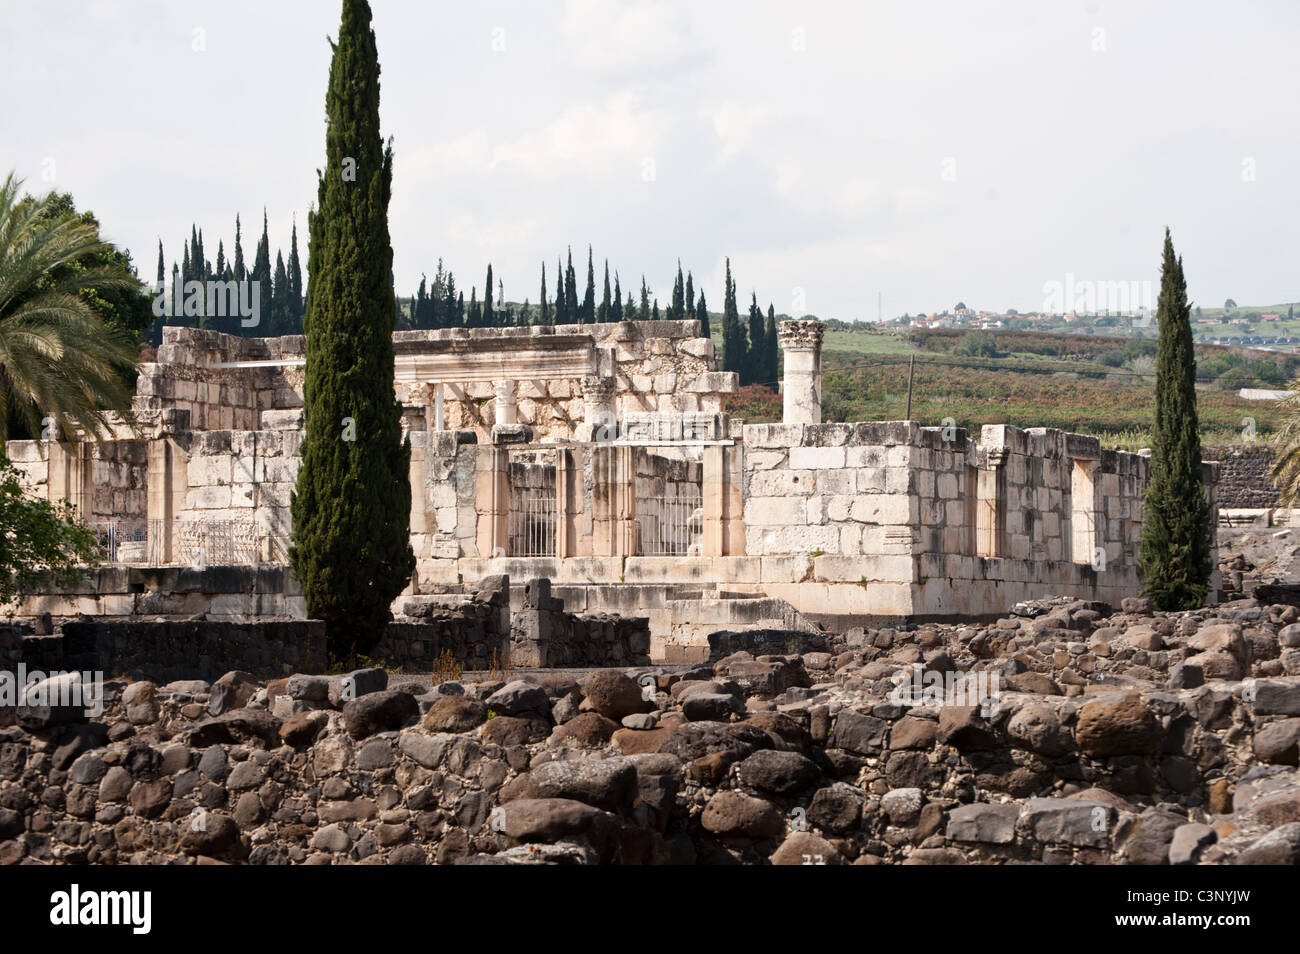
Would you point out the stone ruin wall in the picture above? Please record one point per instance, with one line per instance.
(1243, 476)
(838, 522)
(656, 366)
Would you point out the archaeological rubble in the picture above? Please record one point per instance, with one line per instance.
(639, 632)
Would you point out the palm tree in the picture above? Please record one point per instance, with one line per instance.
(58, 359)
(1286, 449)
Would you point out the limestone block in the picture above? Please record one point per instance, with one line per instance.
(762, 540)
(871, 480)
(899, 480)
(901, 456)
(723, 382)
(851, 539)
(839, 508)
(816, 458)
(885, 509)
(872, 568)
(761, 436)
(775, 511)
(445, 518)
(816, 513)
(208, 498)
(781, 483)
(763, 460)
(206, 471)
(698, 347)
(869, 456)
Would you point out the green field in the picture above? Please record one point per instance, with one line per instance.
(1086, 384)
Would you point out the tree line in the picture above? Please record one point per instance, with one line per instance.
(281, 300)
(749, 347)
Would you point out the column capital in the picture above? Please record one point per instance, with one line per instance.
(801, 334)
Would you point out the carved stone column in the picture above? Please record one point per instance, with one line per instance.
(801, 386)
(506, 408)
(598, 409)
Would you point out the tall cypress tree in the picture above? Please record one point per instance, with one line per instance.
(557, 313)
(589, 299)
(688, 304)
(677, 310)
(281, 320)
(702, 315)
(756, 360)
(616, 307)
(772, 348)
(1175, 552)
(643, 312)
(351, 544)
(605, 307)
(571, 313)
(733, 335)
(262, 275)
(240, 272)
(162, 268)
(544, 309)
(295, 280)
(488, 318)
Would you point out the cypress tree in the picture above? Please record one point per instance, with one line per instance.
(757, 357)
(571, 313)
(603, 314)
(295, 280)
(262, 275)
(544, 309)
(474, 317)
(419, 306)
(677, 310)
(654, 314)
(644, 312)
(688, 304)
(489, 318)
(181, 317)
(702, 315)
(162, 269)
(351, 537)
(221, 259)
(616, 308)
(773, 349)
(589, 299)
(240, 272)
(734, 347)
(557, 313)
(281, 320)
(451, 304)
(1175, 552)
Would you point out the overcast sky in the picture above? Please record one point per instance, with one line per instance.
(929, 152)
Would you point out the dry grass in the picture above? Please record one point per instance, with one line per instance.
(446, 668)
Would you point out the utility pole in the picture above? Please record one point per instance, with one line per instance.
(911, 366)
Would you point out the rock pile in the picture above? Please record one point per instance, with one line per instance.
(1091, 736)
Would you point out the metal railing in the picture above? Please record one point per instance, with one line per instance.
(191, 543)
(122, 541)
(671, 526)
(532, 524)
